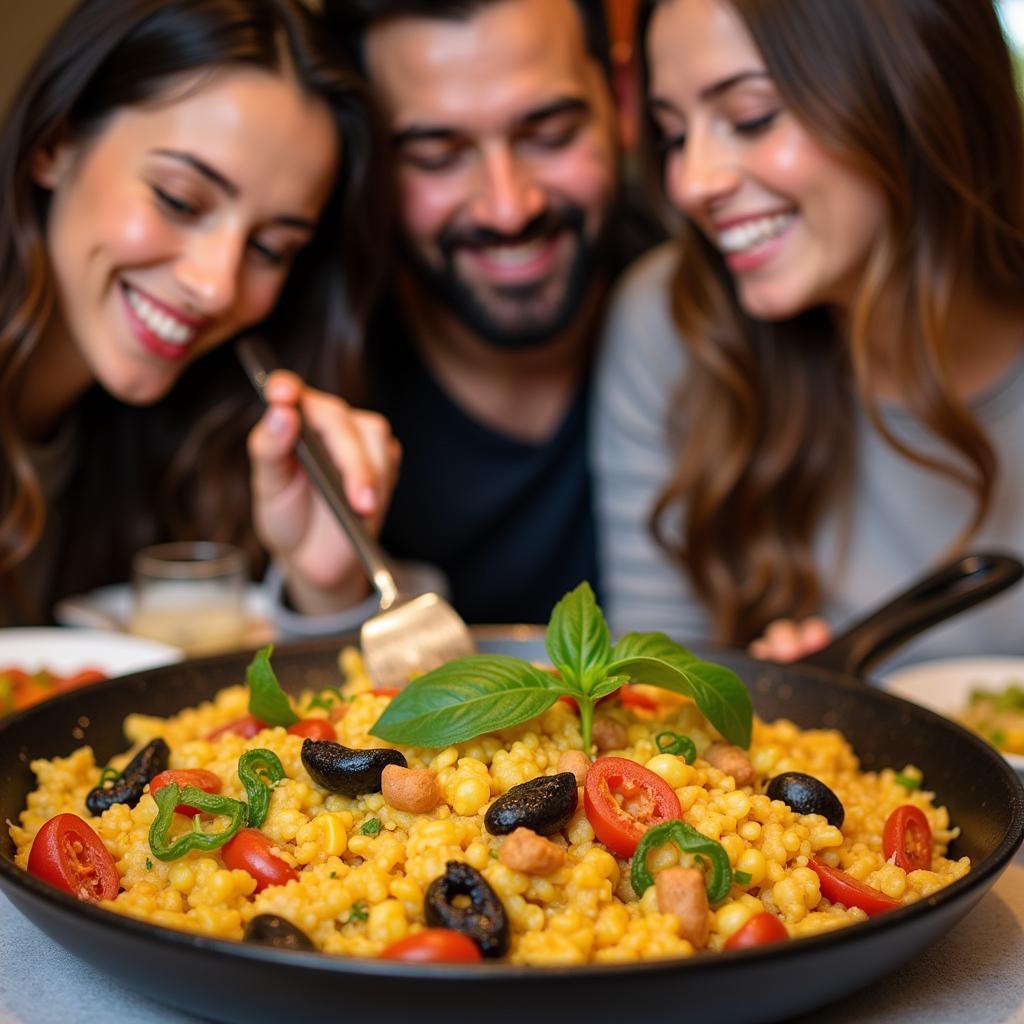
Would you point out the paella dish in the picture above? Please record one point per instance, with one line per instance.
(620, 804)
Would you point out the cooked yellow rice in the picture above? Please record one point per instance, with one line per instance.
(358, 893)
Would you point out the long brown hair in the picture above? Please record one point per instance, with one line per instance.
(919, 97)
(176, 469)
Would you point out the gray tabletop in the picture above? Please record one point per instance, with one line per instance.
(973, 973)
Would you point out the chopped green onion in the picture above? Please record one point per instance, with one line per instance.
(109, 775)
(326, 698)
(669, 742)
(910, 782)
(358, 913)
(149, 864)
(741, 877)
(371, 827)
(689, 840)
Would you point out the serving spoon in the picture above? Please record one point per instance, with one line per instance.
(410, 635)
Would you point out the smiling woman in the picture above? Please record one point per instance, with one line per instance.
(819, 390)
(175, 174)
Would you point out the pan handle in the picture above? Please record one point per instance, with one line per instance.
(940, 595)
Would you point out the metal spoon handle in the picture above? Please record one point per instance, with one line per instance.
(259, 362)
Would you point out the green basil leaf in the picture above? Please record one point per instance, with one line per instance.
(609, 684)
(652, 645)
(465, 698)
(577, 639)
(718, 692)
(267, 701)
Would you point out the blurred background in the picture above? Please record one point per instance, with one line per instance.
(27, 23)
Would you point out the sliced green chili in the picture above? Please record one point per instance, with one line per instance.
(669, 742)
(742, 877)
(719, 874)
(258, 770)
(910, 782)
(168, 797)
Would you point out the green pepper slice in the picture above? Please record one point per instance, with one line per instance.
(258, 770)
(669, 742)
(168, 797)
(719, 875)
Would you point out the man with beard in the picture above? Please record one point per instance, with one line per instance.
(511, 227)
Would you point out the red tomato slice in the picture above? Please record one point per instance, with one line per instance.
(314, 729)
(647, 799)
(839, 887)
(250, 850)
(633, 698)
(386, 691)
(86, 675)
(209, 782)
(246, 727)
(760, 930)
(434, 946)
(907, 839)
(69, 855)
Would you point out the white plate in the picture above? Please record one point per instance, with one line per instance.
(110, 607)
(66, 651)
(945, 684)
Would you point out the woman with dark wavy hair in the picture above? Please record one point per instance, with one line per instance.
(819, 389)
(174, 174)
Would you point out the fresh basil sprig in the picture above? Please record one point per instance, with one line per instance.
(465, 698)
(267, 701)
(482, 693)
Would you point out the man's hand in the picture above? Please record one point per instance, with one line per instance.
(292, 521)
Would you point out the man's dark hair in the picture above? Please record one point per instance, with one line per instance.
(351, 19)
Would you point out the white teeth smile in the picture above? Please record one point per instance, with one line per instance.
(165, 327)
(752, 233)
(515, 255)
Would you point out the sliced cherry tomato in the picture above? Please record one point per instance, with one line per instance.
(314, 729)
(247, 726)
(760, 930)
(646, 799)
(839, 887)
(907, 839)
(250, 850)
(634, 698)
(208, 782)
(68, 854)
(81, 678)
(435, 946)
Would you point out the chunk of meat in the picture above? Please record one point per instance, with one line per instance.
(731, 761)
(681, 892)
(410, 789)
(608, 734)
(523, 850)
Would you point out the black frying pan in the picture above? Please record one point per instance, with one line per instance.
(237, 982)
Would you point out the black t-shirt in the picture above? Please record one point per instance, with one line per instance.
(509, 522)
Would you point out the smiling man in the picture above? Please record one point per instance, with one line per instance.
(510, 227)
